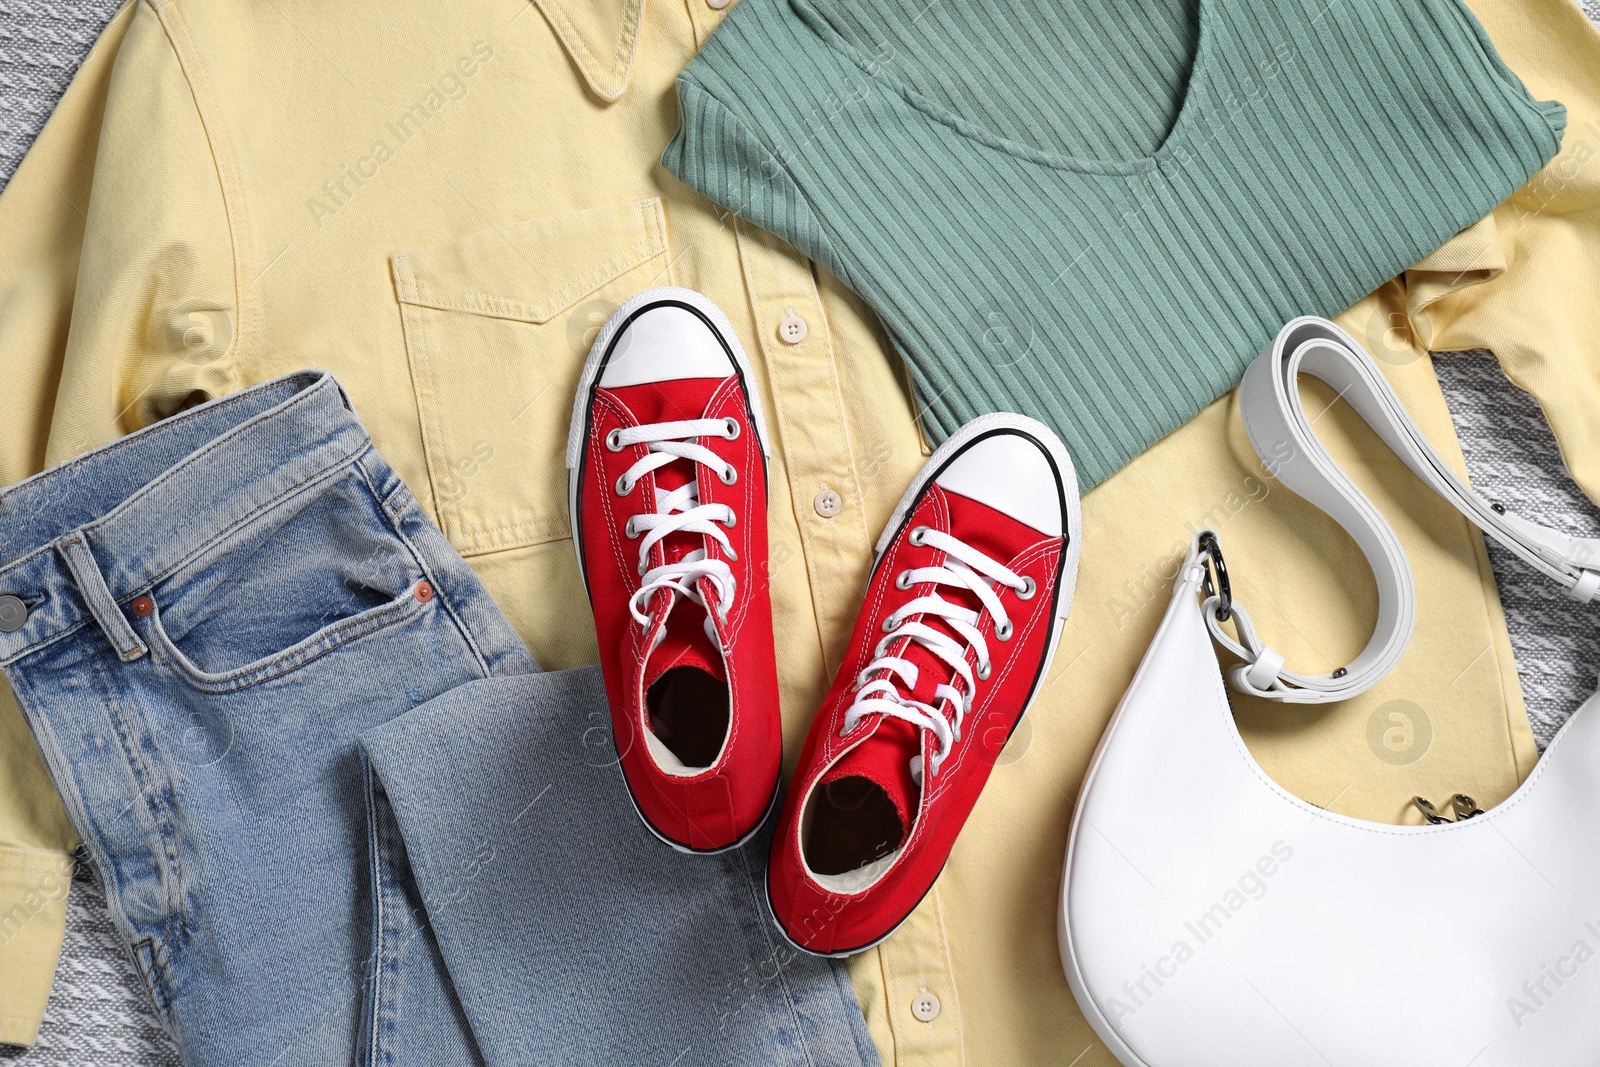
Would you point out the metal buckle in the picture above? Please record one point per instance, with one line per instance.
(1211, 560)
(1429, 812)
(1462, 805)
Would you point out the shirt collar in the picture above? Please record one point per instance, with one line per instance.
(601, 36)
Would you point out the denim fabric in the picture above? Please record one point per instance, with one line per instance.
(238, 683)
(520, 832)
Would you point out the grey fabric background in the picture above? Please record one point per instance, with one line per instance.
(99, 1015)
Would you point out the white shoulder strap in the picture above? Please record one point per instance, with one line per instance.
(1269, 399)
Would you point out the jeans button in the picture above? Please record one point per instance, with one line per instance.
(13, 613)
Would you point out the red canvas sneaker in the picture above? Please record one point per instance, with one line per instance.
(963, 613)
(668, 495)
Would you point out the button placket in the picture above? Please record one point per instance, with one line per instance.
(925, 1009)
(705, 16)
(809, 412)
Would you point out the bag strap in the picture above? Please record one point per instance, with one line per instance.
(1280, 431)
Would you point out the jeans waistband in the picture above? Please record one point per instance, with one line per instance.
(81, 538)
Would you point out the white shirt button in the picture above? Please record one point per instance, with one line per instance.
(925, 1006)
(792, 330)
(828, 503)
(716, 5)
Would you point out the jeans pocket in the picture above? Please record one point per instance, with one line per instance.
(309, 574)
(333, 636)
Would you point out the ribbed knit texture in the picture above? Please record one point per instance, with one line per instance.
(1096, 212)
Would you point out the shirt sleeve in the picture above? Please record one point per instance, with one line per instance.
(1522, 282)
(718, 155)
(117, 307)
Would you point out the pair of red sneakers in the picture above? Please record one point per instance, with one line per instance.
(973, 579)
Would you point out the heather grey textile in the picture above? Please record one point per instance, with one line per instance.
(98, 1015)
(1512, 457)
(41, 44)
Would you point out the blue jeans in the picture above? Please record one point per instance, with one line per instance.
(340, 815)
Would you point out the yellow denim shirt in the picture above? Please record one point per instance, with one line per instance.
(440, 202)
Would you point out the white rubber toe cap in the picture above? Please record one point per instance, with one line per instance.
(663, 344)
(1012, 474)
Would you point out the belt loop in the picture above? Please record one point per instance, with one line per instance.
(92, 586)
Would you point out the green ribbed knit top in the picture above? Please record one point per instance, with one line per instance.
(1096, 212)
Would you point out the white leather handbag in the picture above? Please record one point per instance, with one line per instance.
(1209, 918)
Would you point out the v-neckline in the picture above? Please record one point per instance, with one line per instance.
(1177, 134)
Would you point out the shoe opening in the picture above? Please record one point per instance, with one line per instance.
(851, 833)
(689, 718)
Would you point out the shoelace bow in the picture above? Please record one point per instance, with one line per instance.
(966, 568)
(680, 511)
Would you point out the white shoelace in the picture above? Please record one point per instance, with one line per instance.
(680, 511)
(966, 568)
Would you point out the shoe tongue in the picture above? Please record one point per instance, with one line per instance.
(672, 401)
(685, 643)
(995, 534)
(885, 760)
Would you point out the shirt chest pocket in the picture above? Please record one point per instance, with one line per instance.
(497, 326)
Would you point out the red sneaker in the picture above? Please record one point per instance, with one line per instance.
(965, 608)
(668, 495)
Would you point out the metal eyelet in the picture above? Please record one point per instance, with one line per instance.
(1004, 633)
(903, 580)
(728, 475)
(630, 530)
(614, 440)
(918, 535)
(624, 487)
(732, 520)
(890, 623)
(1027, 590)
(730, 428)
(984, 670)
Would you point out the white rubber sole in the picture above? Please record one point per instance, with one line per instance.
(941, 458)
